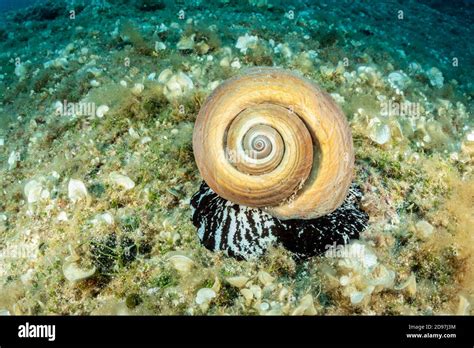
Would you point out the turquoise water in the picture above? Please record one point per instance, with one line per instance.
(10, 5)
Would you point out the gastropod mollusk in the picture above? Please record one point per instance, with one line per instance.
(245, 233)
(275, 144)
(272, 139)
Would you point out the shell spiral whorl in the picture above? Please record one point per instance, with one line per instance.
(272, 139)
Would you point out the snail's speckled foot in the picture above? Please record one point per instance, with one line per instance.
(246, 233)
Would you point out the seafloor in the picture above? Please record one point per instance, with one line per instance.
(94, 204)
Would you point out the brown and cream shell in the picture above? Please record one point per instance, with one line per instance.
(274, 140)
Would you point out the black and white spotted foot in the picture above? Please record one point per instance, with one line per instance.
(246, 233)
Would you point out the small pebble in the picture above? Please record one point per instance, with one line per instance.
(101, 111)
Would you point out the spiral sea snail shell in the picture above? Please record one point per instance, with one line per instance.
(280, 149)
(272, 139)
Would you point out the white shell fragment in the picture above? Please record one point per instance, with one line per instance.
(306, 306)
(77, 190)
(165, 75)
(436, 77)
(224, 62)
(204, 296)
(3, 223)
(245, 42)
(464, 306)
(265, 278)
(186, 43)
(34, 191)
(27, 277)
(470, 136)
(284, 49)
(248, 295)
(380, 133)
(178, 85)
(398, 80)
(236, 64)
(74, 273)
(358, 296)
(257, 291)
(159, 46)
(137, 89)
(362, 274)
(181, 263)
(105, 218)
(133, 133)
(264, 306)
(238, 281)
(101, 111)
(62, 216)
(20, 71)
(121, 180)
(13, 159)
